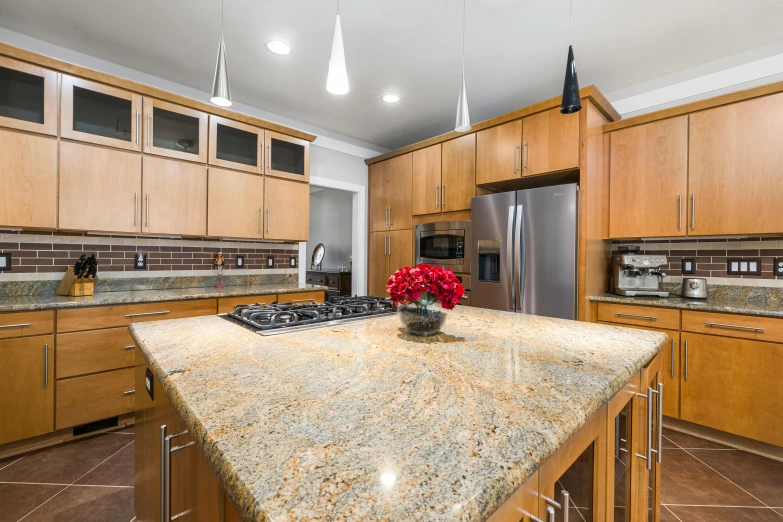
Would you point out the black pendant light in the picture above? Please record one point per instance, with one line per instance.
(571, 101)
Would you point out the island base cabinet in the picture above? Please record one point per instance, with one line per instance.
(649, 403)
(622, 444)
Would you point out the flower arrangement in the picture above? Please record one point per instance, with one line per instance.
(423, 285)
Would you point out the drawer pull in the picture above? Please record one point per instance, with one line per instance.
(734, 327)
(20, 325)
(304, 301)
(129, 392)
(635, 316)
(131, 347)
(147, 313)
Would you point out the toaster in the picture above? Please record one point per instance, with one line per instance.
(694, 287)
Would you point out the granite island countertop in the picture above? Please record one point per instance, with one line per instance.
(725, 303)
(300, 426)
(52, 301)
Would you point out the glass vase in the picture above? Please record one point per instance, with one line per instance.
(423, 317)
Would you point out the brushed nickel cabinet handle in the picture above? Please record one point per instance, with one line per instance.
(524, 156)
(129, 392)
(148, 313)
(672, 361)
(129, 347)
(437, 196)
(390, 245)
(165, 472)
(516, 158)
(685, 370)
(46, 365)
(734, 327)
(311, 300)
(659, 435)
(635, 316)
(20, 325)
(563, 505)
(443, 197)
(659, 451)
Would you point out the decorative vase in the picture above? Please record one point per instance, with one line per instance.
(422, 318)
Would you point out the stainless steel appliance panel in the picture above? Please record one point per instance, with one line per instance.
(491, 259)
(547, 252)
(445, 243)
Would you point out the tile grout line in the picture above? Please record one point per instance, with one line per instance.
(718, 506)
(75, 485)
(14, 462)
(672, 512)
(74, 482)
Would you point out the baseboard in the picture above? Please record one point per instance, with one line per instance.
(727, 439)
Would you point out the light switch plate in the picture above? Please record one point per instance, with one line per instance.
(270, 262)
(743, 266)
(5, 262)
(292, 262)
(777, 268)
(688, 266)
(240, 262)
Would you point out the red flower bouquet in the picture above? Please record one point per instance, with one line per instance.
(423, 285)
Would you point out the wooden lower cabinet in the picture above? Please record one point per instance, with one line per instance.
(80, 353)
(228, 304)
(649, 430)
(26, 387)
(389, 251)
(733, 385)
(317, 296)
(90, 398)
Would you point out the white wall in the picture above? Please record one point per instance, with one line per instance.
(332, 164)
(331, 224)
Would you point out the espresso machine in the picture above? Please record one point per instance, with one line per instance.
(637, 275)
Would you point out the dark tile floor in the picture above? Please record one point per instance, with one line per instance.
(89, 480)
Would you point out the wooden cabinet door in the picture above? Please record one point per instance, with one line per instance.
(458, 173)
(174, 131)
(31, 103)
(523, 504)
(235, 145)
(735, 165)
(26, 387)
(670, 374)
(400, 249)
(100, 114)
(550, 142)
(733, 385)
(399, 174)
(648, 176)
(378, 267)
(175, 197)
(235, 204)
(425, 197)
(621, 447)
(287, 157)
(100, 189)
(379, 203)
(648, 472)
(287, 210)
(28, 180)
(498, 152)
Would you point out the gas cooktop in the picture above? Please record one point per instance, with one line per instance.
(272, 319)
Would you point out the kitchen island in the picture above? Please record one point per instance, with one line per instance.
(361, 421)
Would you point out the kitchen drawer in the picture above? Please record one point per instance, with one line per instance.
(227, 304)
(94, 397)
(734, 325)
(300, 296)
(316, 279)
(639, 315)
(122, 315)
(23, 324)
(333, 282)
(465, 299)
(79, 353)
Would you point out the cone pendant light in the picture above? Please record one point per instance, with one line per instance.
(463, 115)
(571, 101)
(221, 92)
(337, 80)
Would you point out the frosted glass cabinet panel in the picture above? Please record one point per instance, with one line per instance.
(287, 157)
(235, 145)
(174, 131)
(28, 97)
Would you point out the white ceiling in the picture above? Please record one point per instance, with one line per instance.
(515, 50)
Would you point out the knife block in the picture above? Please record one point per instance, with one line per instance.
(72, 286)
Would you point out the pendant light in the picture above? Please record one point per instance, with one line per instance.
(221, 92)
(463, 116)
(571, 101)
(337, 80)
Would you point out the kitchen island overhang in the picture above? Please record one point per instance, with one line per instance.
(362, 422)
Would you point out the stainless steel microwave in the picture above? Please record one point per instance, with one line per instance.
(446, 243)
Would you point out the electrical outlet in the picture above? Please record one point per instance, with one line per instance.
(240, 262)
(5, 262)
(777, 268)
(292, 262)
(270, 262)
(688, 266)
(140, 261)
(743, 266)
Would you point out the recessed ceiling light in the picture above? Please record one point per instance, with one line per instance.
(391, 98)
(278, 47)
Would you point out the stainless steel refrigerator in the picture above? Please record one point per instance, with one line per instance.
(524, 255)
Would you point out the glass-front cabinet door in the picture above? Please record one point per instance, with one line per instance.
(100, 114)
(622, 445)
(572, 480)
(235, 145)
(287, 157)
(28, 97)
(174, 131)
(650, 425)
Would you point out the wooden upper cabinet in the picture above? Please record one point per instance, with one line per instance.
(287, 157)
(175, 197)
(736, 168)
(287, 206)
(235, 145)
(550, 142)
(399, 172)
(648, 178)
(498, 153)
(235, 206)
(100, 189)
(28, 180)
(378, 202)
(100, 114)
(426, 198)
(174, 131)
(29, 102)
(458, 173)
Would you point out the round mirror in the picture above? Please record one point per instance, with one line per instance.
(318, 254)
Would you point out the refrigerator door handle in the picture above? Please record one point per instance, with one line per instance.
(519, 268)
(509, 256)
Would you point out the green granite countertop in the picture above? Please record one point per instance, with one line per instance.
(719, 302)
(51, 301)
(363, 422)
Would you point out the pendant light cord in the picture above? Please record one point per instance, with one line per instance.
(463, 37)
(222, 2)
(570, 22)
